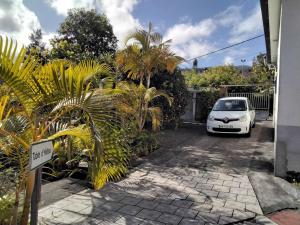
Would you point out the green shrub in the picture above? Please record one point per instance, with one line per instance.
(6, 208)
(145, 143)
(205, 101)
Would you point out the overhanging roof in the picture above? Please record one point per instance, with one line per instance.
(271, 10)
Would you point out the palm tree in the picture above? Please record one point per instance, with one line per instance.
(41, 96)
(137, 104)
(146, 54)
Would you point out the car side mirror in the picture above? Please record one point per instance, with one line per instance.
(210, 108)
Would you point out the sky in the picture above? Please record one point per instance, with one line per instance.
(195, 27)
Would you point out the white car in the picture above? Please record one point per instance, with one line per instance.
(231, 115)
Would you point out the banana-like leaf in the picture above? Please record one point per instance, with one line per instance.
(81, 132)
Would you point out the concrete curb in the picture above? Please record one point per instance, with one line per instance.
(288, 187)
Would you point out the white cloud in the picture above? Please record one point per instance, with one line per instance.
(63, 6)
(119, 13)
(17, 21)
(235, 55)
(188, 39)
(228, 60)
(245, 27)
(46, 38)
(184, 32)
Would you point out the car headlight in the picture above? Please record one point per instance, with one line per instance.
(243, 118)
(210, 118)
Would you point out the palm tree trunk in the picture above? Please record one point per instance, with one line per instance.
(27, 200)
(148, 80)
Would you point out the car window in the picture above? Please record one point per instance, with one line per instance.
(230, 105)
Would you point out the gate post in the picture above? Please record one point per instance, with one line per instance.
(194, 105)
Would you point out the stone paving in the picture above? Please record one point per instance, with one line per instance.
(160, 195)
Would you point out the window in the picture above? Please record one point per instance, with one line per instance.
(230, 105)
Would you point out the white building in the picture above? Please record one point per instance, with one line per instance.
(282, 32)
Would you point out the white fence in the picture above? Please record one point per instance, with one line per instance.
(260, 101)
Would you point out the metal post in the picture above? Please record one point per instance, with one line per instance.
(194, 105)
(36, 197)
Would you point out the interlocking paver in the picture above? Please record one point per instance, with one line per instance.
(245, 185)
(197, 198)
(131, 200)
(204, 186)
(112, 206)
(149, 214)
(255, 208)
(225, 177)
(226, 220)
(222, 211)
(189, 183)
(215, 181)
(69, 218)
(182, 203)
(126, 220)
(209, 193)
(221, 188)
(178, 196)
(147, 204)
(231, 183)
(188, 221)
(130, 210)
(251, 192)
(242, 215)
(246, 199)
(202, 207)
(207, 217)
(188, 213)
(166, 208)
(235, 205)
(169, 219)
(215, 201)
(150, 222)
(240, 191)
(225, 195)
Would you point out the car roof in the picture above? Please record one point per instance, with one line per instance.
(234, 98)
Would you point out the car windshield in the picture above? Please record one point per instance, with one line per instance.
(230, 105)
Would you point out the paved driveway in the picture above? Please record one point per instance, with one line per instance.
(191, 147)
(191, 179)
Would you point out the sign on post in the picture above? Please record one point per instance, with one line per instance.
(40, 153)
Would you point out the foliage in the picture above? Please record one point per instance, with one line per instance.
(37, 46)
(55, 93)
(145, 143)
(145, 55)
(205, 101)
(137, 104)
(6, 208)
(7, 176)
(174, 85)
(83, 35)
(214, 77)
(261, 73)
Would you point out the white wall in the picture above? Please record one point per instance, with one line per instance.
(287, 128)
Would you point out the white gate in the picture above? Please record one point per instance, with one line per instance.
(260, 101)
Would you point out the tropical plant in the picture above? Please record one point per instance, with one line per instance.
(137, 104)
(41, 96)
(174, 85)
(145, 55)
